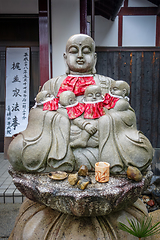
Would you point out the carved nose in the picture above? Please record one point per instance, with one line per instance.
(80, 54)
(94, 97)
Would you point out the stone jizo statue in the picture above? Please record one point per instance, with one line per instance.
(49, 141)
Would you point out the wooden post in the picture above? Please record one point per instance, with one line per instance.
(83, 16)
(120, 29)
(43, 41)
(93, 19)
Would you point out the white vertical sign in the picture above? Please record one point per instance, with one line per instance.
(17, 90)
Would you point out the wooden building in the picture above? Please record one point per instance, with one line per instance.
(127, 37)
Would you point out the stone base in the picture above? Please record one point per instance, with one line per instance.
(39, 222)
(96, 200)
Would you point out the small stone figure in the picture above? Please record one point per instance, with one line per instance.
(121, 90)
(91, 107)
(42, 98)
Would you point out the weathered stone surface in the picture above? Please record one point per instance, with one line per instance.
(155, 218)
(96, 200)
(38, 222)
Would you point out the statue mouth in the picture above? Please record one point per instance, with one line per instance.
(80, 62)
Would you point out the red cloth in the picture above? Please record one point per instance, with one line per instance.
(109, 101)
(75, 111)
(93, 110)
(77, 85)
(51, 105)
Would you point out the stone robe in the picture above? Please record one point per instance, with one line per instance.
(44, 145)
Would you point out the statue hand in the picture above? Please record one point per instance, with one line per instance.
(90, 129)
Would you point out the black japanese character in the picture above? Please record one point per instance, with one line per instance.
(16, 79)
(16, 92)
(15, 66)
(15, 122)
(15, 107)
(8, 110)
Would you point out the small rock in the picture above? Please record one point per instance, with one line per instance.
(133, 173)
(83, 170)
(86, 178)
(151, 203)
(82, 184)
(73, 178)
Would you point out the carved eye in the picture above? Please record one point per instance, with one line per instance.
(86, 50)
(73, 50)
(115, 88)
(98, 94)
(48, 95)
(90, 94)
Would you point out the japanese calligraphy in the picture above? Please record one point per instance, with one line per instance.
(16, 79)
(17, 90)
(16, 66)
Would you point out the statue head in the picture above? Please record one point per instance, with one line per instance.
(80, 56)
(120, 88)
(67, 98)
(93, 93)
(43, 96)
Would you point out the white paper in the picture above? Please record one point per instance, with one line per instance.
(17, 90)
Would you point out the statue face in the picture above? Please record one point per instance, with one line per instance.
(80, 54)
(93, 93)
(43, 96)
(117, 90)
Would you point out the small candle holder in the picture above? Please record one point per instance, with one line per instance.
(102, 171)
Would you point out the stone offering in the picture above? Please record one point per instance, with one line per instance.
(83, 171)
(82, 184)
(58, 175)
(134, 174)
(73, 178)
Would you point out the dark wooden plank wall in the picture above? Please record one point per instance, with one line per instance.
(2, 97)
(141, 69)
(34, 86)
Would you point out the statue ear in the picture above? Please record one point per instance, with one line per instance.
(70, 101)
(124, 92)
(94, 66)
(65, 58)
(65, 55)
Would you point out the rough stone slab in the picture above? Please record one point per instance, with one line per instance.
(96, 200)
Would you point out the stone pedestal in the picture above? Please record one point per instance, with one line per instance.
(39, 222)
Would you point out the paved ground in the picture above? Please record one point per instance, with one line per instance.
(10, 200)
(8, 213)
(8, 192)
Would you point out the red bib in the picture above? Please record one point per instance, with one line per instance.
(51, 105)
(109, 101)
(77, 85)
(93, 110)
(75, 111)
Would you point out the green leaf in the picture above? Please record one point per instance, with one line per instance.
(142, 228)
